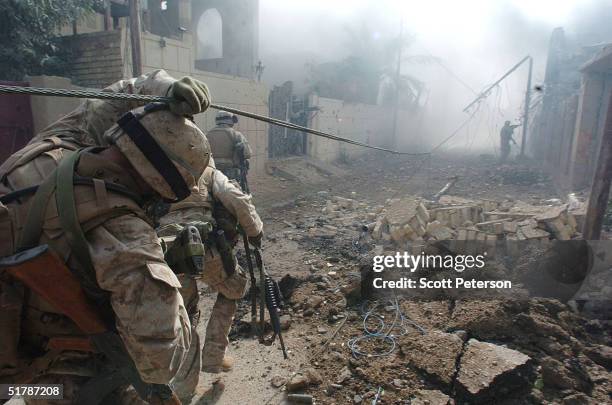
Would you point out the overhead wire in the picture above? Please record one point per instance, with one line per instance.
(107, 95)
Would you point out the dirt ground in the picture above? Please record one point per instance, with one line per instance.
(324, 318)
(570, 355)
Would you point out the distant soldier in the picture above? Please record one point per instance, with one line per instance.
(231, 150)
(505, 138)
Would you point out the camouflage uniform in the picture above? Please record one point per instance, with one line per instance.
(215, 188)
(128, 261)
(88, 122)
(224, 141)
(143, 293)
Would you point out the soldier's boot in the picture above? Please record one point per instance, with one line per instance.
(227, 364)
(212, 393)
(216, 341)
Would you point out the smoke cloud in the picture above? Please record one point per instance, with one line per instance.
(473, 43)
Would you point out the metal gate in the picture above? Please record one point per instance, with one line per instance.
(16, 125)
(284, 105)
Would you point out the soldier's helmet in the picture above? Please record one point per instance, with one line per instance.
(507, 123)
(167, 150)
(224, 117)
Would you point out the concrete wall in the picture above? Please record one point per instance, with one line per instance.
(240, 35)
(361, 122)
(178, 59)
(98, 66)
(46, 110)
(593, 104)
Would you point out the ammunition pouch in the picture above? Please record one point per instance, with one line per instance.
(186, 254)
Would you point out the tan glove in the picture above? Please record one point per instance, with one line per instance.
(190, 96)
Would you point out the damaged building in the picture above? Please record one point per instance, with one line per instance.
(213, 41)
(569, 124)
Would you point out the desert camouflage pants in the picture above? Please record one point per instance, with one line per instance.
(183, 383)
(216, 340)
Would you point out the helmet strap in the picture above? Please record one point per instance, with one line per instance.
(154, 153)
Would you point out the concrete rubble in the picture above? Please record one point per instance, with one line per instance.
(435, 353)
(489, 371)
(469, 351)
(410, 219)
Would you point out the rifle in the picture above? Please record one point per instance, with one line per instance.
(271, 295)
(46, 274)
(244, 169)
(269, 292)
(253, 287)
(244, 185)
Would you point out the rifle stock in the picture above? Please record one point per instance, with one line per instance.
(43, 272)
(39, 268)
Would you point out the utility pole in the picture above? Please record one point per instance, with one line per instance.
(600, 188)
(527, 102)
(486, 93)
(397, 81)
(135, 37)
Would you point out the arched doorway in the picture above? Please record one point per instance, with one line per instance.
(210, 35)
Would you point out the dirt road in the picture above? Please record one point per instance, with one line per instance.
(290, 209)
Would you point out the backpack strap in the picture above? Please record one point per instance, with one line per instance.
(69, 221)
(61, 182)
(31, 151)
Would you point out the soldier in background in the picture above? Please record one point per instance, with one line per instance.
(505, 136)
(231, 149)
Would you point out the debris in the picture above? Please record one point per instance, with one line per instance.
(300, 398)
(577, 399)
(277, 381)
(601, 355)
(438, 231)
(344, 375)
(554, 374)
(435, 353)
(313, 376)
(488, 371)
(285, 322)
(297, 382)
(446, 188)
(430, 397)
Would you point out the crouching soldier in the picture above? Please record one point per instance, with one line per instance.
(216, 210)
(89, 206)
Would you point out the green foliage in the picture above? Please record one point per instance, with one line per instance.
(28, 30)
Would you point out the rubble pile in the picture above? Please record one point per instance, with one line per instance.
(478, 352)
(411, 219)
(491, 351)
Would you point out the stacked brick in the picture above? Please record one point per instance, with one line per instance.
(412, 219)
(97, 58)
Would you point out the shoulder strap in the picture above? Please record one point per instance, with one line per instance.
(61, 181)
(69, 221)
(31, 151)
